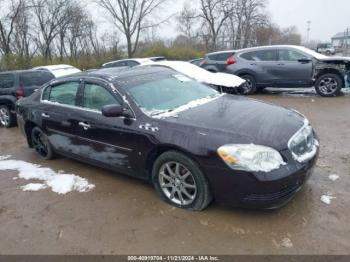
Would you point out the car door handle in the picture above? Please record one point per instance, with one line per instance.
(45, 115)
(281, 64)
(253, 64)
(84, 125)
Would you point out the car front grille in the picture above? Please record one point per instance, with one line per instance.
(270, 197)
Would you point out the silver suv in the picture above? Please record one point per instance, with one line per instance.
(289, 66)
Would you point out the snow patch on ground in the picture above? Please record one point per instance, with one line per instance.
(33, 187)
(287, 243)
(5, 157)
(59, 183)
(333, 177)
(202, 75)
(327, 199)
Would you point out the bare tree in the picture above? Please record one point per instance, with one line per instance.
(51, 16)
(8, 24)
(131, 17)
(214, 14)
(187, 21)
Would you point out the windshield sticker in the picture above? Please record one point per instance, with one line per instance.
(182, 78)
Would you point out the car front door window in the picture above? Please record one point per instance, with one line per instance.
(290, 56)
(96, 97)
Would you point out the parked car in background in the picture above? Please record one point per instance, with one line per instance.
(197, 61)
(15, 85)
(289, 66)
(193, 143)
(325, 48)
(218, 61)
(132, 62)
(59, 70)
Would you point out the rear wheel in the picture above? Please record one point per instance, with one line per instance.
(249, 87)
(179, 182)
(7, 119)
(329, 85)
(41, 144)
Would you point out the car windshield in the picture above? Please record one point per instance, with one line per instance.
(169, 93)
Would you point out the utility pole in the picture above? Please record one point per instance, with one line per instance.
(308, 31)
(346, 42)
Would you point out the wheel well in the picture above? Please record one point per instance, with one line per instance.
(330, 71)
(7, 103)
(155, 153)
(244, 74)
(28, 127)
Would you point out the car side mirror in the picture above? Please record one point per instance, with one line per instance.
(304, 60)
(113, 111)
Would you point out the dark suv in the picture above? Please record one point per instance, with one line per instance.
(15, 85)
(289, 66)
(218, 61)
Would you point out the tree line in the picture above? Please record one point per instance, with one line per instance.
(34, 32)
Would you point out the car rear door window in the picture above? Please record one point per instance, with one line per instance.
(39, 78)
(290, 55)
(132, 63)
(223, 56)
(7, 80)
(64, 93)
(96, 97)
(261, 55)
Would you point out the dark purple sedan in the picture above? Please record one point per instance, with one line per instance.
(192, 142)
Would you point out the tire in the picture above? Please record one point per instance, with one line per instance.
(249, 87)
(7, 119)
(41, 144)
(328, 53)
(329, 85)
(189, 178)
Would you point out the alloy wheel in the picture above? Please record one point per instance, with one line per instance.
(247, 86)
(177, 183)
(328, 85)
(40, 143)
(4, 117)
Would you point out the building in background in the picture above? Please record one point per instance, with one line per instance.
(341, 41)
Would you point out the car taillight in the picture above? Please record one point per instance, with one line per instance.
(204, 62)
(231, 60)
(19, 93)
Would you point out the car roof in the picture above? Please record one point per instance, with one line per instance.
(270, 47)
(221, 52)
(54, 67)
(115, 73)
(21, 71)
(140, 60)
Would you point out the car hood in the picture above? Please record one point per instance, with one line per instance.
(239, 120)
(336, 59)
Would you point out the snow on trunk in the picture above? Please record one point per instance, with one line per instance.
(202, 75)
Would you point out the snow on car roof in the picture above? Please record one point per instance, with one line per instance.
(202, 75)
(139, 60)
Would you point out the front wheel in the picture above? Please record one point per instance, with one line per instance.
(249, 87)
(41, 144)
(329, 85)
(179, 182)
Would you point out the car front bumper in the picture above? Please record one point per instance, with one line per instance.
(260, 190)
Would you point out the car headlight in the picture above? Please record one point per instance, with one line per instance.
(303, 143)
(253, 158)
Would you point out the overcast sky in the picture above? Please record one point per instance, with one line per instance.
(328, 17)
